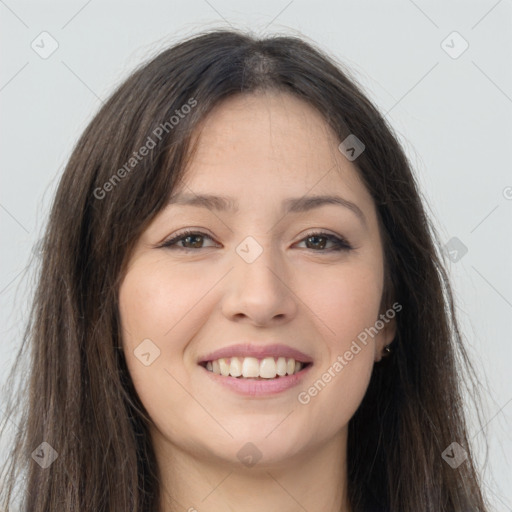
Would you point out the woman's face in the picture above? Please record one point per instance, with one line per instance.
(266, 277)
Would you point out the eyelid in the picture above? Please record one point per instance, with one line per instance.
(171, 241)
(320, 231)
(339, 241)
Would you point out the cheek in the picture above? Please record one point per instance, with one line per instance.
(150, 316)
(166, 305)
(156, 303)
(347, 307)
(336, 392)
(337, 387)
(347, 301)
(157, 318)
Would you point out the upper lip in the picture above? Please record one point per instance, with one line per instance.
(257, 351)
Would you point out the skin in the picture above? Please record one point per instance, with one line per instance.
(259, 149)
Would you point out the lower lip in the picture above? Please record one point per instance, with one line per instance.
(267, 387)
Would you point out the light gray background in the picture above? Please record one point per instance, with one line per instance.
(453, 115)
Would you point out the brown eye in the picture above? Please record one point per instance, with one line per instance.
(194, 240)
(187, 240)
(318, 241)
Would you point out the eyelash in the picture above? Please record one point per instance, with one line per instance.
(340, 244)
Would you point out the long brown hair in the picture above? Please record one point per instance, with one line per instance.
(79, 397)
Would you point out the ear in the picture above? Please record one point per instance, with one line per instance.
(386, 335)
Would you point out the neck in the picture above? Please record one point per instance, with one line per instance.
(315, 480)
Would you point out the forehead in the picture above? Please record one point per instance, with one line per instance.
(266, 146)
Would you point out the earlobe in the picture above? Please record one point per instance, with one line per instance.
(387, 350)
(384, 352)
(385, 341)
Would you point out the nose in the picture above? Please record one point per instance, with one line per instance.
(260, 292)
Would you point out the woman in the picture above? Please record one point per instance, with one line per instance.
(240, 304)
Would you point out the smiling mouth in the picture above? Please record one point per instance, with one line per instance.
(252, 368)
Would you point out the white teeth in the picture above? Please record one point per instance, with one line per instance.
(268, 368)
(224, 367)
(235, 369)
(251, 367)
(281, 366)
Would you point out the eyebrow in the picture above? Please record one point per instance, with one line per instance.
(290, 205)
